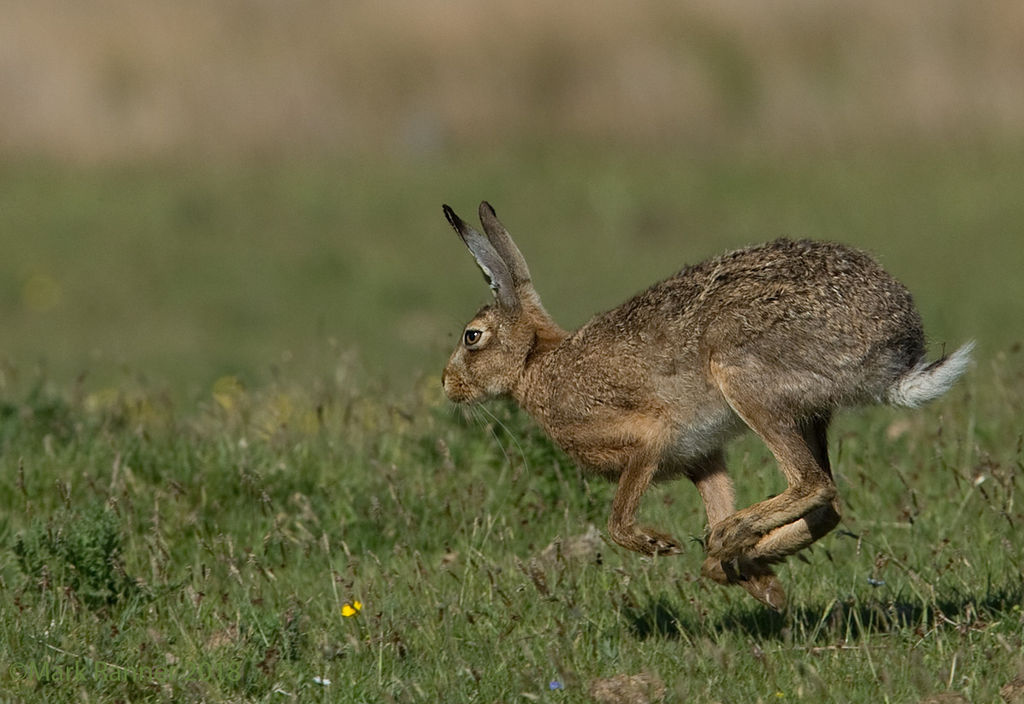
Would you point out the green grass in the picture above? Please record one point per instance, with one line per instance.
(162, 554)
(186, 274)
(200, 476)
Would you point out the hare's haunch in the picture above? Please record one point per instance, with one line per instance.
(773, 338)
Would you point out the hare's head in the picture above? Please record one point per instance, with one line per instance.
(496, 344)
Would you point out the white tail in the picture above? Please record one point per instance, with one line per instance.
(929, 380)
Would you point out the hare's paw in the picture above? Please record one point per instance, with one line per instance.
(767, 589)
(646, 541)
(735, 571)
(659, 543)
(732, 537)
(714, 570)
(757, 578)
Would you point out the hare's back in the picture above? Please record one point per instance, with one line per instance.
(817, 315)
(819, 318)
(788, 288)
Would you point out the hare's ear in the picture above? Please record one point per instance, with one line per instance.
(502, 242)
(488, 259)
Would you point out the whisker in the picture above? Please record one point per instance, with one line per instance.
(508, 431)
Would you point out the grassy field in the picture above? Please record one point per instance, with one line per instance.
(186, 274)
(227, 472)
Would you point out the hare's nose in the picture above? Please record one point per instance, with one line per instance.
(443, 373)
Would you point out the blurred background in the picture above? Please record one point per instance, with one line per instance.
(190, 189)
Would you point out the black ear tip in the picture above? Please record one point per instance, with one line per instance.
(450, 215)
(485, 205)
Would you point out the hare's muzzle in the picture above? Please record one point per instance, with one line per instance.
(446, 384)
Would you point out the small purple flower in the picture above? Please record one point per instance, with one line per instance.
(555, 684)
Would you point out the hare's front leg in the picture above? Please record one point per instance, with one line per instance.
(622, 527)
(756, 577)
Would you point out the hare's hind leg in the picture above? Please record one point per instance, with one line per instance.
(795, 536)
(715, 487)
(799, 450)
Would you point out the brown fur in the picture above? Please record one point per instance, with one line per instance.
(772, 338)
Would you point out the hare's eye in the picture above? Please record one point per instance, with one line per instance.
(472, 337)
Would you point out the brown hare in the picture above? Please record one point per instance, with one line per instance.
(773, 338)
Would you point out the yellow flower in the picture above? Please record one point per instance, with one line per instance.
(350, 610)
(228, 392)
